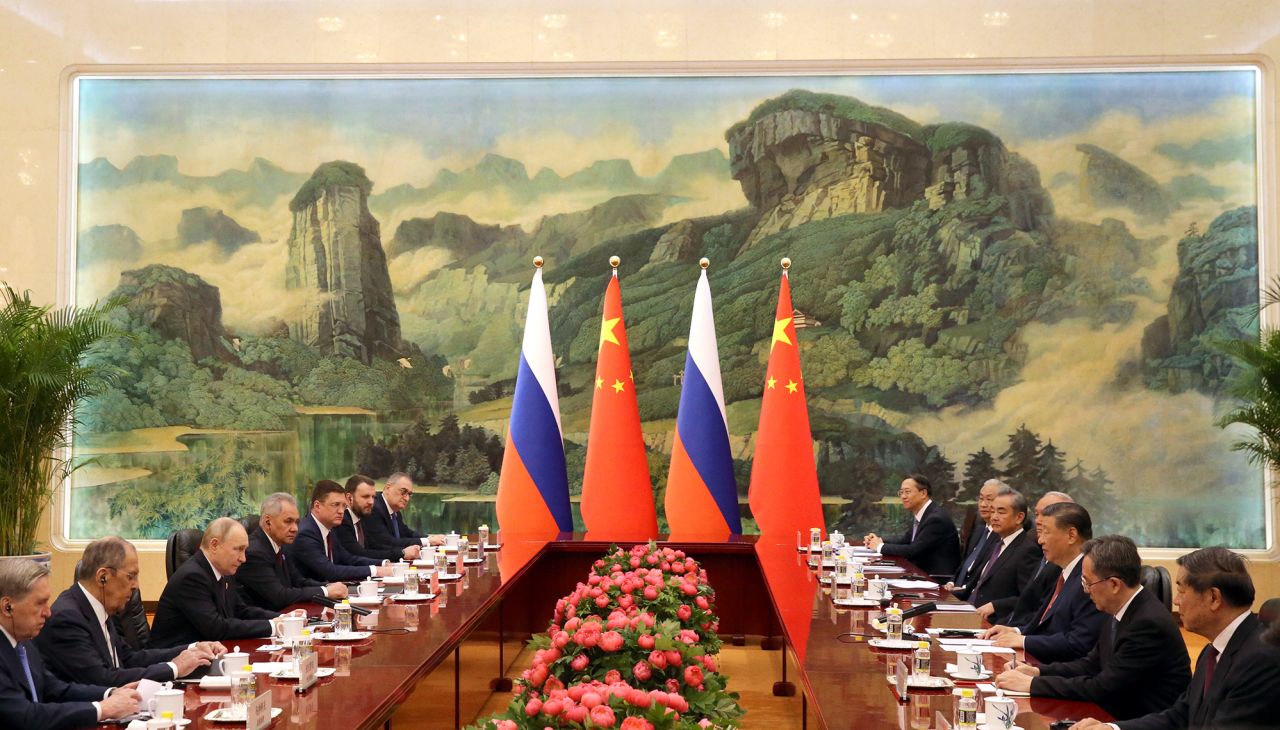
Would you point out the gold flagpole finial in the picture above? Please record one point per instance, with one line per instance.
(704, 262)
(537, 262)
(614, 261)
(786, 263)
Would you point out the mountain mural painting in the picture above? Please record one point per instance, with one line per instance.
(994, 275)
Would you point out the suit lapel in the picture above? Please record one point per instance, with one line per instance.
(91, 618)
(9, 660)
(1244, 632)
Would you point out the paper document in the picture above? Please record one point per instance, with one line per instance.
(904, 583)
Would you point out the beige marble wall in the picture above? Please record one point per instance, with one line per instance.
(41, 39)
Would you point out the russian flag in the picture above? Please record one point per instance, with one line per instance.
(702, 496)
(533, 488)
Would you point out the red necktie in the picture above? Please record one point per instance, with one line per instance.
(280, 558)
(1056, 590)
(1210, 660)
(328, 545)
(360, 533)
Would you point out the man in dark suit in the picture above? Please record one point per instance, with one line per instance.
(1236, 685)
(79, 641)
(30, 695)
(201, 600)
(1139, 664)
(269, 579)
(1017, 612)
(1010, 559)
(317, 552)
(352, 533)
(386, 527)
(974, 530)
(930, 541)
(1067, 624)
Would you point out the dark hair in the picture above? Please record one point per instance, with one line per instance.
(922, 482)
(1114, 556)
(324, 488)
(354, 483)
(1218, 567)
(1069, 514)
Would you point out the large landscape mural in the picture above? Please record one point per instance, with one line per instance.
(1023, 275)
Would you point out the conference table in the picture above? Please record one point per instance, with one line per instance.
(462, 644)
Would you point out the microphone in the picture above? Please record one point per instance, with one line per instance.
(330, 603)
(917, 610)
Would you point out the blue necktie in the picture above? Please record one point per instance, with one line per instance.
(26, 668)
(395, 524)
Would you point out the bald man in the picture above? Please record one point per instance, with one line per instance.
(201, 602)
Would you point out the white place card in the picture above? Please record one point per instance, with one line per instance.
(307, 672)
(259, 717)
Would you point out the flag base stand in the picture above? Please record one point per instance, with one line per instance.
(738, 640)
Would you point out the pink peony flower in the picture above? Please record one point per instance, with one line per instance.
(636, 723)
(650, 593)
(659, 697)
(611, 641)
(693, 675)
(576, 714)
(577, 691)
(553, 686)
(602, 601)
(602, 716)
(641, 671)
(560, 639)
(591, 699)
(645, 641)
(553, 707)
(579, 662)
(673, 689)
(709, 662)
(702, 603)
(639, 698)
(506, 725)
(658, 659)
(688, 588)
(635, 561)
(533, 707)
(704, 723)
(612, 676)
(684, 613)
(673, 657)
(678, 703)
(677, 568)
(687, 636)
(626, 601)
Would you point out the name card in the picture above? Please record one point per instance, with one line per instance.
(259, 717)
(900, 677)
(940, 722)
(307, 672)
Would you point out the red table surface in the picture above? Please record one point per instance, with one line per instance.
(761, 589)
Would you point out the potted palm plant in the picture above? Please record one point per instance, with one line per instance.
(43, 375)
(1257, 387)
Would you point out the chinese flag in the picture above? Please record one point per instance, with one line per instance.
(617, 497)
(784, 480)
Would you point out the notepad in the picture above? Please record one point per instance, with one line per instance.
(956, 608)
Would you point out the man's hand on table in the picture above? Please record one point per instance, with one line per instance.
(1090, 724)
(336, 591)
(191, 659)
(872, 541)
(385, 571)
(986, 611)
(411, 552)
(1015, 680)
(122, 701)
(215, 648)
(1005, 636)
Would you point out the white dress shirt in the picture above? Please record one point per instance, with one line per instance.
(324, 538)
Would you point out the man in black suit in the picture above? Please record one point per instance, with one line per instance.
(317, 552)
(975, 538)
(201, 600)
(386, 527)
(30, 695)
(1011, 557)
(79, 642)
(1139, 663)
(269, 579)
(1067, 623)
(1236, 685)
(930, 542)
(361, 496)
(1018, 611)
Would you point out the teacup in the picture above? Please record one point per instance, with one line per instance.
(398, 569)
(1001, 712)
(368, 588)
(877, 588)
(289, 628)
(223, 665)
(969, 664)
(451, 540)
(166, 700)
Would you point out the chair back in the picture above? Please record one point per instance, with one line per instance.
(1269, 613)
(1155, 578)
(131, 623)
(250, 523)
(180, 546)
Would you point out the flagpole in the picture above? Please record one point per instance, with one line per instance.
(704, 263)
(537, 262)
(614, 261)
(786, 266)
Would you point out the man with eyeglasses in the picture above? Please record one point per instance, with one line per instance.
(385, 526)
(1139, 663)
(1007, 563)
(80, 643)
(930, 541)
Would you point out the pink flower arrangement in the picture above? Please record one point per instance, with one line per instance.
(632, 647)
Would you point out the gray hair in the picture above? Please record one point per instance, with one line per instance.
(109, 552)
(1114, 556)
(1019, 499)
(1061, 496)
(273, 504)
(994, 481)
(19, 575)
(397, 476)
(219, 529)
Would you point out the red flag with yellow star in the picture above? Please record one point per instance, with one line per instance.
(784, 479)
(617, 497)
